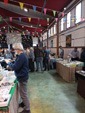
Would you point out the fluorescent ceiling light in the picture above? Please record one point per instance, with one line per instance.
(25, 9)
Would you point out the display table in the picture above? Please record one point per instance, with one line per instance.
(67, 73)
(81, 84)
(14, 101)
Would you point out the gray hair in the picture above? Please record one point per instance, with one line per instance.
(18, 46)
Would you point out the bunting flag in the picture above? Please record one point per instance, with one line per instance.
(56, 19)
(38, 19)
(47, 19)
(23, 32)
(34, 8)
(5, 31)
(54, 13)
(17, 31)
(20, 19)
(10, 19)
(11, 31)
(25, 37)
(64, 19)
(6, 1)
(81, 19)
(28, 36)
(45, 10)
(29, 19)
(21, 5)
(62, 14)
(0, 18)
(73, 19)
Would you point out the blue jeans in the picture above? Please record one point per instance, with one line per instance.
(47, 63)
(51, 63)
(39, 60)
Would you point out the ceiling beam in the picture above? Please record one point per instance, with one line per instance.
(20, 29)
(30, 13)
(22, 23)
(25, 24)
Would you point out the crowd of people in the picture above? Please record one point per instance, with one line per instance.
(38, 56)
(42, 58)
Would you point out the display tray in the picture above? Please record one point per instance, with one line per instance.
(81, 72)
(6, 100)
(5, 90)
(8, 80)
(11, 93)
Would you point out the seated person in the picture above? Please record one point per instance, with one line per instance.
(52, 60)
(82, 58)
(8, 55)
(74, 54)
(61, 52)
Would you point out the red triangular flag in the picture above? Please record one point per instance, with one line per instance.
(45, 11)
(62, 14)
(6, 1)
(10, 19)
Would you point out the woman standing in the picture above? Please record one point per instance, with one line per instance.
(21, 71)
(31, 60)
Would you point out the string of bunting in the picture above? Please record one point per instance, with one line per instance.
(34, 8)
(48, 19)
(45, 11)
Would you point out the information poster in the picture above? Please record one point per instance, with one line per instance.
(13, 38)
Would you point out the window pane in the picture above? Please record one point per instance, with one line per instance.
(45, 36)
(68, 20)
(62, 24)
(51, 31)
(55, 29)
(51, 43)
(78, 13)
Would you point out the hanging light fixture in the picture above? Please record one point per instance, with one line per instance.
(25, 9)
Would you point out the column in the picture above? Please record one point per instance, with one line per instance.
(47, 38)
(58, 37)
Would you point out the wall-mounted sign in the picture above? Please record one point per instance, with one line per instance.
(68, 41)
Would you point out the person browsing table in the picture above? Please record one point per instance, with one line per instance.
(20, 66)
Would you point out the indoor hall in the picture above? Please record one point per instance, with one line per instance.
(42, 56)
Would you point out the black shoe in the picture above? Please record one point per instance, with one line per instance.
(21, 105)
(26, 111)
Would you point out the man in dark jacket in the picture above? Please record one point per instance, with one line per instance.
(82, 58)
(39, 58)
(20, 66)
(61, 52)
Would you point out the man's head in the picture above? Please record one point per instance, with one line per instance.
(83, 49)
(18, 47)
(75, 49)
(45, 47)
(60, 47)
